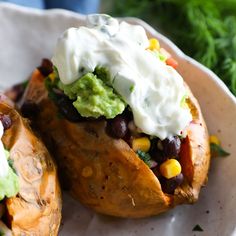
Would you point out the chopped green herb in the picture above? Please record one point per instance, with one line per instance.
(50, 85)
(55, 71)
(103, 74)
(160, 56)
(145, 157)
(218, 151)
(2, 233)
(131, 88)
(197, 228)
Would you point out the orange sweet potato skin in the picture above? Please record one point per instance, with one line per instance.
(36, 210)
(194, 154)
(104, 173)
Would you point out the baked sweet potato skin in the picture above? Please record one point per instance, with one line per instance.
(105, 173)
(194, 155)
(36, 210)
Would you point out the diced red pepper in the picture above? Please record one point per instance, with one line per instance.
(172, 62)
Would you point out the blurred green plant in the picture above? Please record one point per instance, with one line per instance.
(205, 30)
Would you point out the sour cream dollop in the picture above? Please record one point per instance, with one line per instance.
(4, 168)
(151, 88)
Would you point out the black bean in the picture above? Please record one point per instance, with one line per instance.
(29, 109)
(155, 153)
(46, 67)
(169, 185)
(128, 115)
(179, 178)
(118, 127)
(171, 146)
(158, 156)
(128, 138)
(156, 172)
(153, 144)
(67, 109)
(6, 121)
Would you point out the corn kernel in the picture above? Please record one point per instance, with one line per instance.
(170, 168)
(214, 139)
(154, 44)
(87, 172)
(142, 144)
(52, 76)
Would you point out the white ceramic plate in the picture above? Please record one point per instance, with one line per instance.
(27, 35)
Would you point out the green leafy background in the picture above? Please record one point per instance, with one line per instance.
(204, 30)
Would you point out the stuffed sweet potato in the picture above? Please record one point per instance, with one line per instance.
(30, 197)
(104, 173)
(126, 131)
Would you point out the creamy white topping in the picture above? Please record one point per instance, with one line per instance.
(4, 168)
(152, 89)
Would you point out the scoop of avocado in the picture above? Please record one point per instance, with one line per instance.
(93, 97)
(9, 184)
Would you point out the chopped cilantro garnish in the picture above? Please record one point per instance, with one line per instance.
(218, 151)
(103, 74)
(131, 88)
(145, 157)
(50, 84)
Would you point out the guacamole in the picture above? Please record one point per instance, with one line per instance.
(9, 184)
(93, 97)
